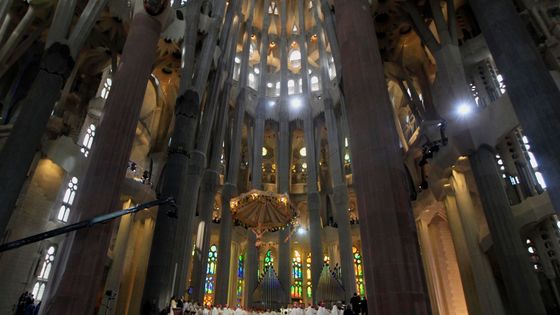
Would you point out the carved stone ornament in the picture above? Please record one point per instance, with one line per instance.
(155, 7)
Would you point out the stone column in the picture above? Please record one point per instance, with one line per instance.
(462, 251)
(486, 289)
(520, 282)
(208, 191)
(85, 251)
(313, 205)
(196, 158)
(210, 181)
(386, 221)
(340, 199)
(283, 171)
(15, 159)
(258, 144)
(532, 91)
(229, 191)
(431, 267)
(330, 32)
(5, 7)
(230, 187)
(17, 34)
(251, 268)
(283, 157)
(119, 254)
(340, 191)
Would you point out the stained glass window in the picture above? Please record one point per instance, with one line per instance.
(210, 275)
(88, 140)
(308, 275)
(44, 273)
(106, 88)
(268, 260)
(239, 291)
(68, 199)
(297, 286)
(359, 270)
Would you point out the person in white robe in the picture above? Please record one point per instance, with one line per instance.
(310, 310)
(334, 310)
(322, 311)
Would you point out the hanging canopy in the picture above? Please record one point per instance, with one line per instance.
(262, 211)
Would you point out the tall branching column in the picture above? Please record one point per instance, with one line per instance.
(481, 291)
(196, 158)
(210, 181)
(230, 187)
(340, 191)
(521, 283)
(532, 91)
(450, 89)
(283, 158)
(311, 145)
(79, 279)
(386, 221)
(56, 65)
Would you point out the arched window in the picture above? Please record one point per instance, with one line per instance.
(210, 275)
(295, 29)
(88, 140)
(314, 83)
(268, 260)
(106, 88)
(358, 270)
(291, 87)
(44, 273)
(277, 91)
(526, 146)
(332, 71)
(273, 8)
(295, 58)
(252, 81)
(240, 281)
(308, 275)
(68, 199)
(297, 286)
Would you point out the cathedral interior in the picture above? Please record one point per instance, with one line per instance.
(398, 149)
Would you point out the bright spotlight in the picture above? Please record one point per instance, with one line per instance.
(257, 71)
(301, 231)
(464, 109)
(296, 103)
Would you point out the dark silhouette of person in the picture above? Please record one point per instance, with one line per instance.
(363, 306)
(355, 302)
(348, 310)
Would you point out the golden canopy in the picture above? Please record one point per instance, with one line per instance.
(262, 211)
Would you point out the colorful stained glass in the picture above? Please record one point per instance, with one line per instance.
(210, 275)
(240, 281)
(297, 286)
(268, 260)
(308, 275)
(358, 270)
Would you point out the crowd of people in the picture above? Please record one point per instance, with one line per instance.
(357, 306)
(26, 305)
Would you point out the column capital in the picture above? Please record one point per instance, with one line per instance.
(448, 188)
(229, 191)
(58, 60)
